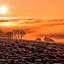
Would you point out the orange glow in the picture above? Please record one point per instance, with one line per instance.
(45, 9)
(6, 24)
(42, 28)
(3, 9)
(35, 9)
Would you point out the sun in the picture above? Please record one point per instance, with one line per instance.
(3, 10)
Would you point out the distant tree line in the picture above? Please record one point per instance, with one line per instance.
(16, 33)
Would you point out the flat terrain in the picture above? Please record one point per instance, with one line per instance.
(30, 52)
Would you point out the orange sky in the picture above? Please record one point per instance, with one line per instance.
(35, 8)
(43, 9)
(38, 28)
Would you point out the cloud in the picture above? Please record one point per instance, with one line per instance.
(57, 36)
(3, 20)
(33, 21)
(53, 24)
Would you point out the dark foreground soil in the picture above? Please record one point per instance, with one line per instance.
(30, 52)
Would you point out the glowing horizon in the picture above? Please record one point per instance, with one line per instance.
(54, 29)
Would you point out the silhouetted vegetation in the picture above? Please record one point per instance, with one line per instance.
(48, 39)
(18, 34)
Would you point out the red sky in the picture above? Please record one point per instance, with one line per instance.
(35, 8)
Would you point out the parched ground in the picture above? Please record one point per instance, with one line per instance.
(30, 52)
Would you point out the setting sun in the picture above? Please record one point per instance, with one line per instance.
(3, 9)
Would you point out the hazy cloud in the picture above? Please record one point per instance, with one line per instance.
(57, 35)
